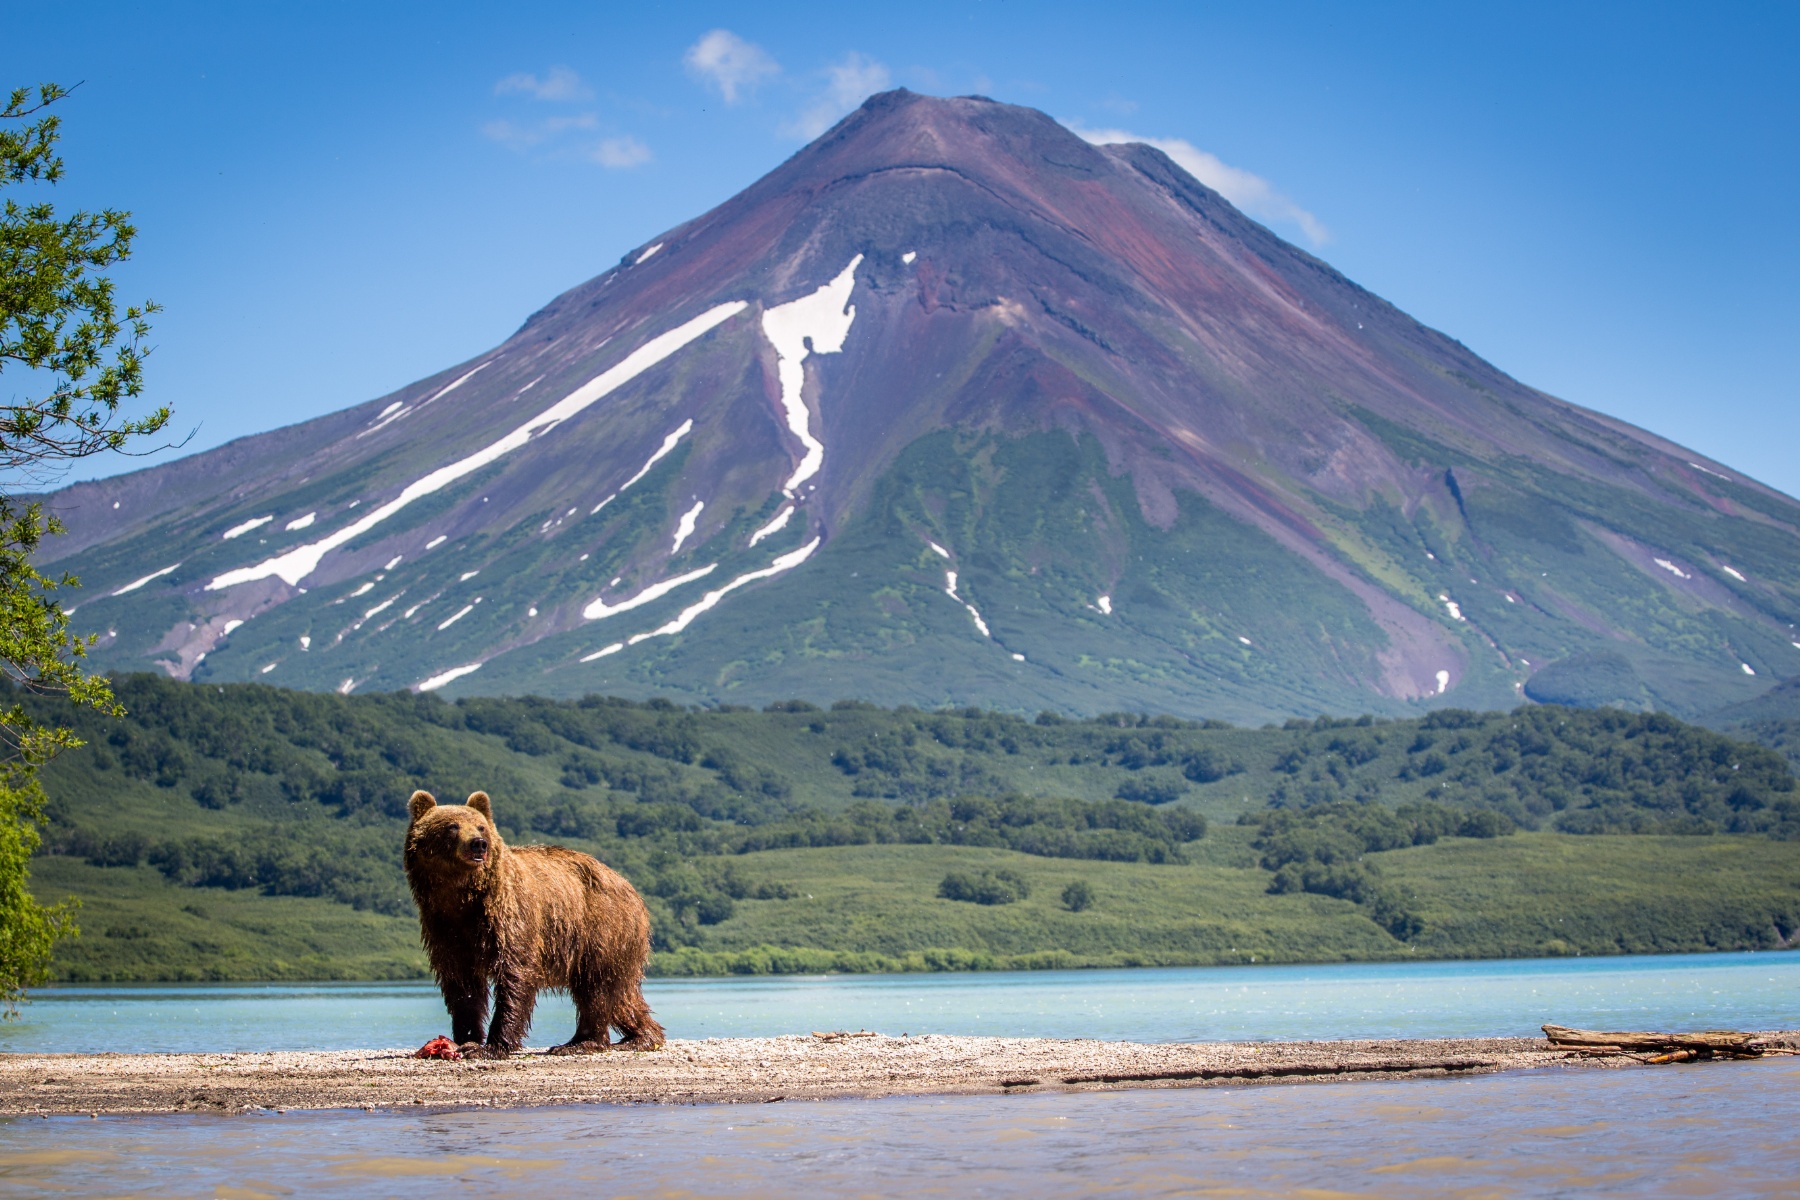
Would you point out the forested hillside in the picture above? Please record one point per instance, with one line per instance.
(243, 831)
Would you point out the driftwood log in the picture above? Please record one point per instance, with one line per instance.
(1672, 1047)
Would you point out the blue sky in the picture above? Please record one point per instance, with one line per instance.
(337, 199)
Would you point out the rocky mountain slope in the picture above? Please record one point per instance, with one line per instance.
(953, 407)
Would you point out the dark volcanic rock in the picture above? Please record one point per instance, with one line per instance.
(1090, 439)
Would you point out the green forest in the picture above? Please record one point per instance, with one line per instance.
(248, 832)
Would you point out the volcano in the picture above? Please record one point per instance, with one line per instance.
(953, 407)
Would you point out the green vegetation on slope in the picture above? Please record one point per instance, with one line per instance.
(832, 836)
(875, 908)
(1561, 572)
(137, 926)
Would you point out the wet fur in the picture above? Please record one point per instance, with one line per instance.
(526, 918)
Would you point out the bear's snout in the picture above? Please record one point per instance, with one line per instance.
(476, 850)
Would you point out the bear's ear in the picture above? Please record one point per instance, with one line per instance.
(420, 804)
(480, 803)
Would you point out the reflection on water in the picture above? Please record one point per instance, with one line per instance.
(1720, 991)
(1715, 1130)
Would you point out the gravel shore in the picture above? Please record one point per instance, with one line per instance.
(728, 1070)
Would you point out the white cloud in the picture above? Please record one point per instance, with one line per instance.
(512, 135)
(848, 84)
(1251, 193)
(558, 83)
(729, 63)
(625, 151)
(618, 152)
(516, 136)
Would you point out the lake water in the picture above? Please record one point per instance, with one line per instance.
(1511, 997)
(1703, 1130)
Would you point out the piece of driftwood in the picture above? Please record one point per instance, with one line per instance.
(841, 1034)
(1290, 1070)
(1672, 1047)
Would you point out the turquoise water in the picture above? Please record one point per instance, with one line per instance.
(1719, 1130)
(1744, 991)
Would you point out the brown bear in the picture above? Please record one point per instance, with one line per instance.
(524, 918)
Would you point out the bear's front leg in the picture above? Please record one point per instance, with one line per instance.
(467, 1000)
(513, 1004)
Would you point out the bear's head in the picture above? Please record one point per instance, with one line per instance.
(453, 840)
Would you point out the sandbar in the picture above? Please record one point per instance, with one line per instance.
(734, 1070)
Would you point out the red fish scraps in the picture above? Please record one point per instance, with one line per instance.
(438, 1047)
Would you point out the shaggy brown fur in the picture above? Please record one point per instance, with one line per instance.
(522, 919)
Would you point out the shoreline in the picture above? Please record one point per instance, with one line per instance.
(733, 1071)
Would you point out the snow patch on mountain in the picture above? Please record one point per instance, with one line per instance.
(775, 525)
(135, 584)
(450, 676)
(389, 415)
(785, 562)
(668, 444)
(237, 531)
(950, 591)
(460, 613)
(302, 522)
(599, 609)
(684, 529)
(398, 409)
(456, 383)
(815, 324)
(302, 561)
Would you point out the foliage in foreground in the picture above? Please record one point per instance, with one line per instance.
(60, 326)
